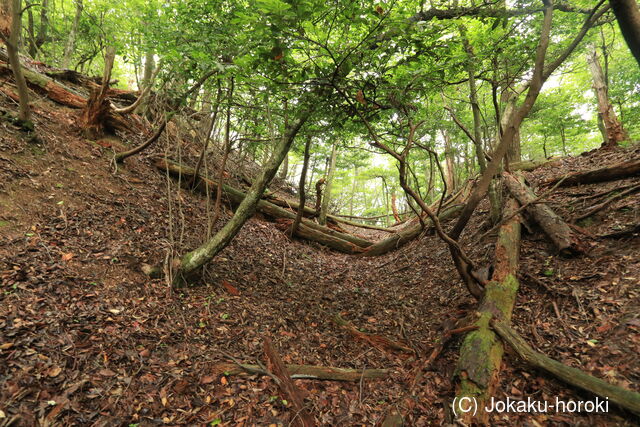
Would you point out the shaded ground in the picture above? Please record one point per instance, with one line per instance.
(87, 339)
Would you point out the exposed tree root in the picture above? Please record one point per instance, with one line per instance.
(624, 398)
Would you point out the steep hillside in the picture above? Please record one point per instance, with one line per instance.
(86, 338)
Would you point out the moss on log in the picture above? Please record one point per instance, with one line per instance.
(481, 351)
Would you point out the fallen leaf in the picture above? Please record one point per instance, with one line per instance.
(230, 288)
(54, 371)
(107, 373)
(67, 256)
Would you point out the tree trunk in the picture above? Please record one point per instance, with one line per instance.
(71, 39)
(301, 185)
(450, 173)
(326, 199)
(394, 208)
(195, 259)
(628, 17)
(481, 351)
(614, 131)
(12, 43)
(98, 107)
(558, 231)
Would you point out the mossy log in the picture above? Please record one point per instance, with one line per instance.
(609, 173)
(307, 372)
(529, 165)
(408, 233)
(626, 399)
(308, 229)
(52, 89)
(481, 351)
(562, 236)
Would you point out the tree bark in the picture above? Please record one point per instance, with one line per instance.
(301, 185)
(407, 234)
(481, 351)
(450, 175)
(558, 231)
(628, 17)
(326, 199)
(613, 130)
(12, 43)
(608, 173)
(96, 113)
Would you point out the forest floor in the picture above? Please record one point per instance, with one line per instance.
(87, 339)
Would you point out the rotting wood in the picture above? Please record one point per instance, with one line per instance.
(555, 227)
(481, 351)
(624, 398)
(306, 372)
(302, 416)
(355, 244)
(614, 172)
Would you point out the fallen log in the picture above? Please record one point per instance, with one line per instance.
(334, 239)
(626, 399)
(335, 219)
(407, 234)
(49, 87)
(555, 227)
(481, 351)
(306, 372)
(609, 173)
(529, 165)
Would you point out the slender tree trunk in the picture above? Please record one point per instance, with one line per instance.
(12, 43)
(71, 39)
(194, 260)
(449, 163)
(43, 28)
(326, 199)
(614, 132)
(225, 156)
(301, 189)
